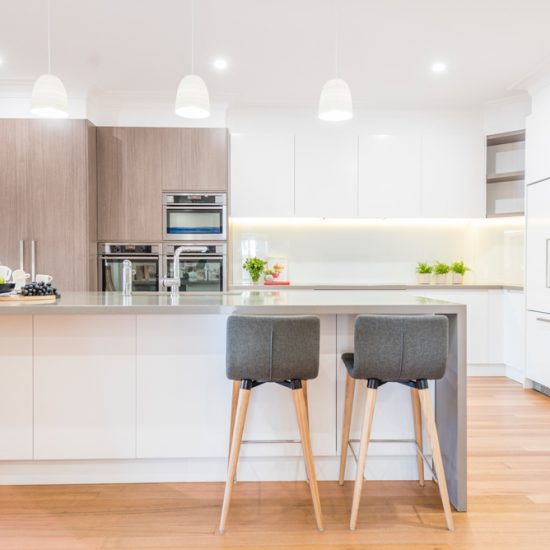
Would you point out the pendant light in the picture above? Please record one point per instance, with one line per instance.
(49, 97)
(335, 104)
(192, 99)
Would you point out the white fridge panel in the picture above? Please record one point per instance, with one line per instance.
(538, 247)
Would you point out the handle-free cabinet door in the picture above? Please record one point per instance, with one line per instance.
(389, 176)
(537, 342)
(326, 176)
(262, 175)
(537, 138)
(537, 276)
(453, 176)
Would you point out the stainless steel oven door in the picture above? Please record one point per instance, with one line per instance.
(195, 223)
(146, 275)
(199, 273)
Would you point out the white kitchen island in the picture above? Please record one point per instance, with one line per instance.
(103, 388)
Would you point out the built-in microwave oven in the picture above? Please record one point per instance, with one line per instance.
(194, 216)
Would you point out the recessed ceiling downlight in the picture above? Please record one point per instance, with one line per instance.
(220, 64)
(439, 67)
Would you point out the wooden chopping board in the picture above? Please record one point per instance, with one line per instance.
(31, 299)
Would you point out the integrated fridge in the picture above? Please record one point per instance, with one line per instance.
(537, 285)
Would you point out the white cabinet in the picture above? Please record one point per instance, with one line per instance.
(537, 276)
(537, 367)
(453, 184)
(389, 176)
(16, 387)
(262, 175)
(513, 339)
(182, 388)
(84, 386)
(326, 176)
(537, 138)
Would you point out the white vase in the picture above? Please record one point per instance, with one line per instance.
(458, 278)
(441, 279)
(424, 278)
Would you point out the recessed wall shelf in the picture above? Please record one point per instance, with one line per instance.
(505, 174)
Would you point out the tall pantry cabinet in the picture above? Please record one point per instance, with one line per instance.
(48, 205)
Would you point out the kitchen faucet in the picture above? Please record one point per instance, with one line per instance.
(174, 282)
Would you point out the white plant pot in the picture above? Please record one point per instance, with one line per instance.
(458, 279)
(441, 279)
(424, 278)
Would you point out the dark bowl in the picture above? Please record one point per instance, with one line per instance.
(6, 287)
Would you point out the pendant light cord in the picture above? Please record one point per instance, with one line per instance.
(49, 40)
(192, 37)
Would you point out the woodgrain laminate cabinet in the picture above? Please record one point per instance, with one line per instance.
(136, 164)
(48, 173)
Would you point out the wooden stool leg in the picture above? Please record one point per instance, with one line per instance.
(365, 436)
(417, 418)
(301, 415)
(426, 406)
(348, 408)
(234, 400)
(304, 388)
(242, 406)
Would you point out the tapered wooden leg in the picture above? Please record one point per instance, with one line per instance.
(348, 408)
(301, 415)
(242, 406)
(234, 400)
(304, 387)
(427, 411)
(417, 418)
(365, 436)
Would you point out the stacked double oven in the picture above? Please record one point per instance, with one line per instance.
(195, 221)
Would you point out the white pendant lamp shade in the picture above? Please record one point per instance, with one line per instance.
(192, 99)
(49, 97)
(335, 103)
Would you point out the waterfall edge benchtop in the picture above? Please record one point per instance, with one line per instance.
(252, 301)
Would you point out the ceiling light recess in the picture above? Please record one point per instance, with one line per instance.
(220, 64)
(49, 97)
(439, 67)
(192, 98)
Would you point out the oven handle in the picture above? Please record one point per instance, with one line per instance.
(108, 257)
(205, 257)
(191, 206)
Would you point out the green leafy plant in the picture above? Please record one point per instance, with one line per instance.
(269, 272)
(255, 267)
(459, 267)
(441, 269)
(424, 268)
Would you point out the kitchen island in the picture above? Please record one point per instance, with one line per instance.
(105, 388)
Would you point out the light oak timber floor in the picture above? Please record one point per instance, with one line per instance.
(509, 500)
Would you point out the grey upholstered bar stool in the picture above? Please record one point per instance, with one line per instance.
(280, 349)
(407, 349)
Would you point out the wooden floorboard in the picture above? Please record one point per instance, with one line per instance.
(509, 500)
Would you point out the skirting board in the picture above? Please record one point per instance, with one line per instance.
(496, 369)
(197, 469)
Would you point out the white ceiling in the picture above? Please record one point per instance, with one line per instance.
(282, 51)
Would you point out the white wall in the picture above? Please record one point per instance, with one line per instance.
(380, 251)
(506, 115)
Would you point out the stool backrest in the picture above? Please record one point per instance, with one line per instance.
(401, 347)
(272, 348)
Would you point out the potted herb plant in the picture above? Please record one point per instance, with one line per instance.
(441, 270)
(255, 267)
(459, 269)
(424, 273)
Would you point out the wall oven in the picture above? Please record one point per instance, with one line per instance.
(146, 265)
(195, 216)
(203, 267)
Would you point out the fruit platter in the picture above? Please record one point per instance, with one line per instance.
(31, 292)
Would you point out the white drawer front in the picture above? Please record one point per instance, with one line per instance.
(538, 347)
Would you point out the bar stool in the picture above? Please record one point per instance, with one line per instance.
(409, 350)
(280, 349)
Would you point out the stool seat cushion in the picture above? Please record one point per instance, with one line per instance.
(399, 347)
(272, 348)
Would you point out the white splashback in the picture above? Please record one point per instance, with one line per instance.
(380, 251)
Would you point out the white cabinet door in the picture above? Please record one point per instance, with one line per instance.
(537, 139)
(84, 384)
(537, 358)
(389, 176)
(184, 397)
(326, 176)
(16, 387)
(453, 176)
(537, 269)
(262, 175)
